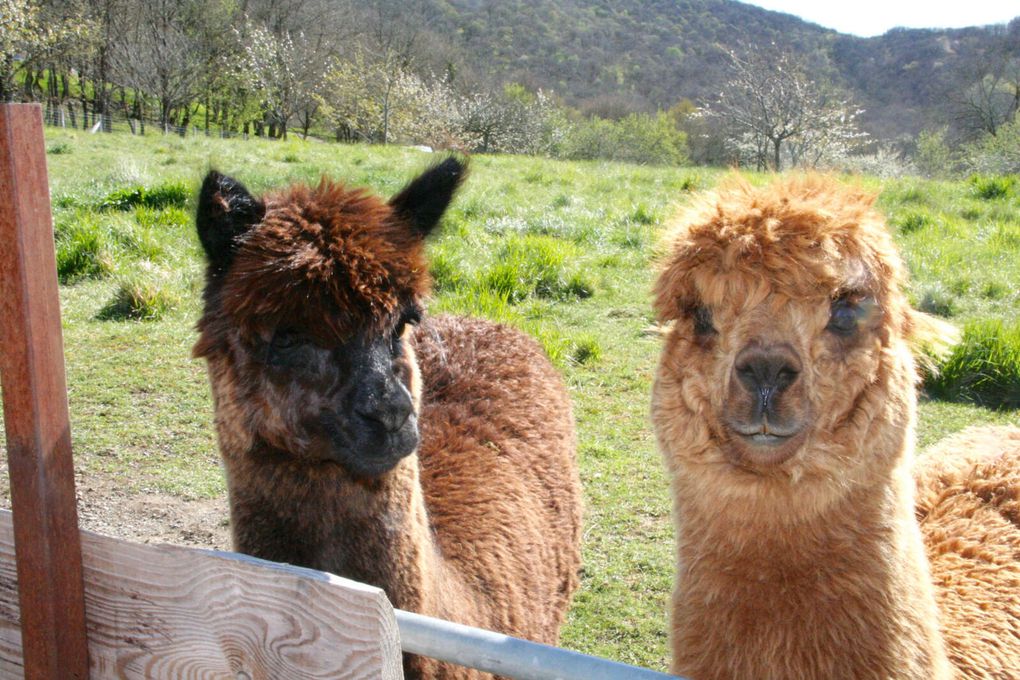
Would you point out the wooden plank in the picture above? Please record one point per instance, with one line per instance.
(172, 612)
(35, 408)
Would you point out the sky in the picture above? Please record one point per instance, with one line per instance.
(874, 17)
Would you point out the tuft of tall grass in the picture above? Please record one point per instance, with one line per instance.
(690, 183)
(586, 350)
(642, 215)
(535, 265)
(170, 194)
(991, 187)
(145, 294)
(994, 290)
(936, 299)
(913, 221)
(83, 248)
(449, 272)
(983, 369)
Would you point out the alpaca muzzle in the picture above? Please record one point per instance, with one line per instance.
(764, 408)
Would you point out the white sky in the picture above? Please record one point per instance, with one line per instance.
(875, 17)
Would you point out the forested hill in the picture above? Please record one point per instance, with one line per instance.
(607, 56)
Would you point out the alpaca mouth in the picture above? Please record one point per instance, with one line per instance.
(371, 451)
(766, 439)
(762, 444)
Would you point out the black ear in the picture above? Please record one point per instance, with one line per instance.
(423, 201)
(226, 210)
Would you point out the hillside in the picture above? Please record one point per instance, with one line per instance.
(607, 56)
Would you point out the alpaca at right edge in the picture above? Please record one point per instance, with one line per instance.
(784, 406)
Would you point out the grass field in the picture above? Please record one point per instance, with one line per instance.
(562, 250)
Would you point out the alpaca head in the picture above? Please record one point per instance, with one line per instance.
(309, 294)
(788, 356)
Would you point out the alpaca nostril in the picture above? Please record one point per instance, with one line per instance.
(786, 376)
(391, 415)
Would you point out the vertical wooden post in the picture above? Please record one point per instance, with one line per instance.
(47, 543)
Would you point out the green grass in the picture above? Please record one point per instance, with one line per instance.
(173, 194)
(991, 188)
(983, 369)
(581, 236)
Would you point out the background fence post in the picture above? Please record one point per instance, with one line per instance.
(47, 543)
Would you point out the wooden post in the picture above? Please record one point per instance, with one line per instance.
(48, 546)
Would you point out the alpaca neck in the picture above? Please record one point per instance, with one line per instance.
(314, 515)
(845, 593)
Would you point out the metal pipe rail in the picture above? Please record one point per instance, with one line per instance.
(508, 656)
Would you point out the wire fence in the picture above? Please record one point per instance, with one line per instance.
(73, 116)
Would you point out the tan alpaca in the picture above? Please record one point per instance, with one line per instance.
(431, 457)
(784, 406)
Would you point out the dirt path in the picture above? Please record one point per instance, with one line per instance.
(145, 517)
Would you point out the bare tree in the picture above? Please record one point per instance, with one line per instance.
(159, 54)
(992, 99)
(773, 109)
(393, 30)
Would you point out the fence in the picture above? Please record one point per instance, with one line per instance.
(75, 604)
(71, 114)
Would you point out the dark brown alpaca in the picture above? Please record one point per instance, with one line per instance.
(431, 457)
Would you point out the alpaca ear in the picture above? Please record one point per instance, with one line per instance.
(423, 201)
(226, 210)
(931, 339)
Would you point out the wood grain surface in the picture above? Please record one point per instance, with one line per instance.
(173, 612)
(35, 408)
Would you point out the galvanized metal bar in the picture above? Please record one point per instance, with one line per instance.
(510, 657)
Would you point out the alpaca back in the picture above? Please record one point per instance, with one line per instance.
(968, 506)
(498, 472)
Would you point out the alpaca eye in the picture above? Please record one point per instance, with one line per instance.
(285, 340)
(284, 347)
(702, 317)
(410, 317)
(843, 317)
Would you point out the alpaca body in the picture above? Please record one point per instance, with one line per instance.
(433, 458)
(846, 597)
(968, 506)
(477, 527)
(784, 406)
(777, 583)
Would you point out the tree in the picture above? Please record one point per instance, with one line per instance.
(393, 29)
(286, 71)
(355, 93)
(773, 110)
(19, 35)
(933, 156)
(159, 54)
(993, 97)
(30, 36)
(997, 154)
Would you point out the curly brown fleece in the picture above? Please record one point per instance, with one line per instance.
(813, 566)
(968, 505)
(481, 525)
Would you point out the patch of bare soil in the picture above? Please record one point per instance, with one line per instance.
(152, 517)
(106, 507)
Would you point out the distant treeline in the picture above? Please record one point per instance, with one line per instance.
(481, 76)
